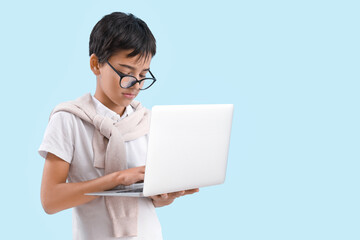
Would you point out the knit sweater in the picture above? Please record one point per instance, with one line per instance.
(109, 153)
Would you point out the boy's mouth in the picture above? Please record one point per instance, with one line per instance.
(129, 95)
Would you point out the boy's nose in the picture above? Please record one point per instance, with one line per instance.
(136, 86)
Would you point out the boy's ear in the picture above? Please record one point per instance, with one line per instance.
(94, 64)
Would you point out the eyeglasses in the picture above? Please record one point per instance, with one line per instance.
(127, 81)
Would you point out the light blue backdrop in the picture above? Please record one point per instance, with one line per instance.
(290, 67)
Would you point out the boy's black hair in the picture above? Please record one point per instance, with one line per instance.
(120, 31)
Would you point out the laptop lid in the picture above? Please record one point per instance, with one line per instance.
(188, 147)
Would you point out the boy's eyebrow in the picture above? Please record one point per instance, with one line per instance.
(132, 68)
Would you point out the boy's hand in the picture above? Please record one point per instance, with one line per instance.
(167, 198)
(131, 175)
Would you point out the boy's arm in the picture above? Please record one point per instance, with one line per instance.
(58, 195)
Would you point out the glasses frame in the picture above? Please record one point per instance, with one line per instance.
(121, 75)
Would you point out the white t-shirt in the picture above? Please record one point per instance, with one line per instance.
(70, 138)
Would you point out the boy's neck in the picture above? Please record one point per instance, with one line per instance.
(109, 104)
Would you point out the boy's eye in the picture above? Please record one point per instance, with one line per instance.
(131, 74)
(128, 73)
(121, 72)
(144, 75)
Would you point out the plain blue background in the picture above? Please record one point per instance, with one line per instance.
(290, 67)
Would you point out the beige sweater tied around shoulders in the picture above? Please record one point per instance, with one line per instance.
(109, 153)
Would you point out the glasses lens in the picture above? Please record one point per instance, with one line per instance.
(146, 83)
(127, 82)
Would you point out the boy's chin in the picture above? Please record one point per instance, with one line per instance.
(125, 102)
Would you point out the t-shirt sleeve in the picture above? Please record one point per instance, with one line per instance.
(59, 137)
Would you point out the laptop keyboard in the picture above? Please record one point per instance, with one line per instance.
(130, 190)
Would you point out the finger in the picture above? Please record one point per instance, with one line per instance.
(176, 194)
(164, 196)
(141, 169)
(141, 177)
(191, 191)
(179, 194)
(137, 178)
(159, 197)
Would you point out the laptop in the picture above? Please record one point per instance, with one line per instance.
(188, 148)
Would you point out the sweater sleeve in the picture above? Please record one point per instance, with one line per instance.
(59, 137)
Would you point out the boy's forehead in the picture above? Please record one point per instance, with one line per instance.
(138, 60)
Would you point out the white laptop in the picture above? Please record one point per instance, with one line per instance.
(188, 148)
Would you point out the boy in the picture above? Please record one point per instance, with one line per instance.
(79, 139)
